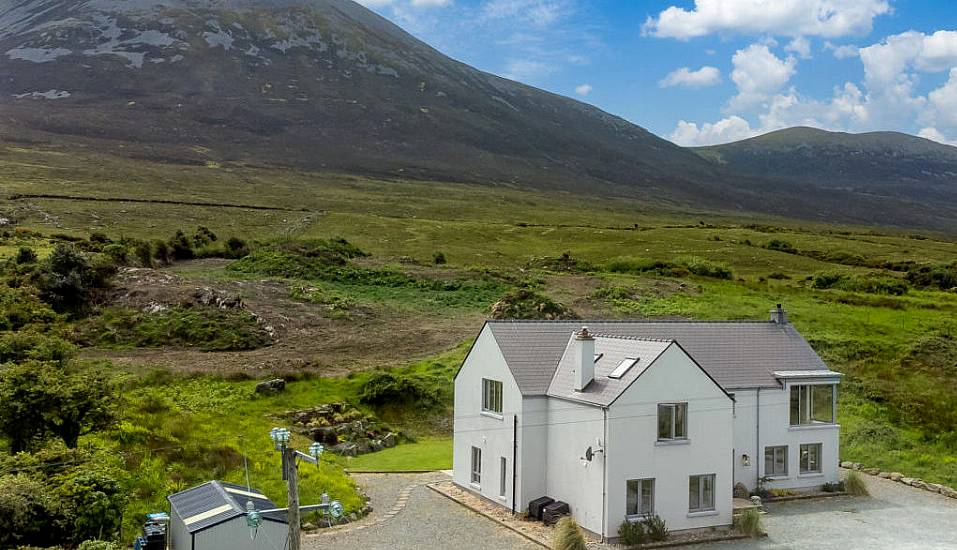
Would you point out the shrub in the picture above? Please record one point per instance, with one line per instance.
(97, 545)
(31, 516)
(527, 304)
(749, 523)
(833, 487)
(656, 528)
(854, 484)
(117, 253)
(631, 533)
(386, 387)
(236, 247)
(704, 268)
(67, 280)
(161, 252)
(439, 258)
(781, 245)
(25, 256)
(144, 253)
(568, 536)
(181, 246)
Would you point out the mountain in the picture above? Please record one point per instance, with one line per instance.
(889, 164)
(328, 85)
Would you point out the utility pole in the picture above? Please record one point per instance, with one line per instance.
(291, 473)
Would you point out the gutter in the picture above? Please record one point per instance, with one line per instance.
(757, 439)
(604, 472)
(514, 457)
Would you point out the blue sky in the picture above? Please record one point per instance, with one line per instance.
(710, 71)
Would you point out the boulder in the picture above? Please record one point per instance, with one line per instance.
(346, 449)
(897, 476)
(932, 487)
(846, 464)
(885, 475)
(271, 386)
(389, 440)
(871, 471)
(948, 491)
(740, 491)
(856, 466)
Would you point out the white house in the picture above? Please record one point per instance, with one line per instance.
(624, 419)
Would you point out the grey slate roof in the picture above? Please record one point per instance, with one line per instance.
(603, 390)
(737, 354)
(218, 495)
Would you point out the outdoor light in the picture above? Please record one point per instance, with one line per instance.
(745, 460)
(279, 436)
(253, 519)
(315, 451)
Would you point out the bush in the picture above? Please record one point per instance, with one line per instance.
(161, 252)
(117, 253)
(94, 500)
(31, 516)
(25, 256)
(144, 253)
(236, 247)
(704, 268)
(656, 528)
(439, 258)
(526, 304)
(67, 280)
(386, 387)
(854, 484)
(781, 245)
(181, 246)
(631, 533)
(749, 523)
(833, 487)
(97, 545)
(568, 536)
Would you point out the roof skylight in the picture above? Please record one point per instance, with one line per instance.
(598, 356)
(623, 367)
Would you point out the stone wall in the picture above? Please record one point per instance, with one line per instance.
(901, 478)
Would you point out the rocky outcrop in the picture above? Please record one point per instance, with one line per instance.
(270, 387)
(343, 429)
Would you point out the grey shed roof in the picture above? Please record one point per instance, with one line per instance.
(737, 354)
(215, 502)
(612, 350)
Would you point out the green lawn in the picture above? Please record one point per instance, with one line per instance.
(426, 454)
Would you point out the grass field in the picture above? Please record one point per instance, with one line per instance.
(898, 406)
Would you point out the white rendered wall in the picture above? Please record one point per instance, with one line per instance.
(635, 453)
(472, 427)
(532, 445)
(572, 428)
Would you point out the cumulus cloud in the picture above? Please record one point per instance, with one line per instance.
(733, 128)
(539, 13)
(758, 74)
(703, 77)
(934, 134)
(825, 18)
(843, 51)
(800, 46)
(583, 89)
(527, 69)
(430, 3)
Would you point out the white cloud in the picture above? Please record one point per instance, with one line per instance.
(525, 70)
(934, 134)
(430, 3)
(583, 89)
(703, 77)
(758, 74)
(539, 13)
(374, 3)
(843, 51)
(942, 103)
(800, 46)
(733, 128)
(827, 18)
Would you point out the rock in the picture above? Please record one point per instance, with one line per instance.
(346, 449)
(740, 491)
(271, 386)
(846, 464)
(884, 475)
(353, 517)
(856, 465)
(907, 480)
(948, 491)
(897, 476)
(389, 440)
(932, 487)
(366, 510)
(308, 527)
(871, 471)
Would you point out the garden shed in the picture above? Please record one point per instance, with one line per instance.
(212, 516)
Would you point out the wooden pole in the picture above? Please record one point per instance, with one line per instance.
(292, 502)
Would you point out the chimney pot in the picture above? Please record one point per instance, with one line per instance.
(779, 315)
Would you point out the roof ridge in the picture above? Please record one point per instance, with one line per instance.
(225, 494)
(637, 338)
(629, 321)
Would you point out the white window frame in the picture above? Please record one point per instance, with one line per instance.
(702, 505)
(476, 476)
(503, 476)
(641, 485)
(805, 458)
(675, 408)
(776, 451)
(805, 404)
(492, 391)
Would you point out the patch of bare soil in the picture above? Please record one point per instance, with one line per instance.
(307, 337)
(576, 291)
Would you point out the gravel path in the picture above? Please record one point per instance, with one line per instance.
(427, 520)
(894, 516)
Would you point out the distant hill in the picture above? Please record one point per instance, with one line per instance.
(329, 85)
(889, 164)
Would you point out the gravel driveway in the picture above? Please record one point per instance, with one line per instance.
(427, 521)
(894, 516)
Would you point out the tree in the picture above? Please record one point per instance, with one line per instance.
(94, 503)
(41, 398)
(31, 516)
(67, 280)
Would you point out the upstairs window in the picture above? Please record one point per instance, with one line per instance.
(491, 396)
(812, 404)
(672, 421)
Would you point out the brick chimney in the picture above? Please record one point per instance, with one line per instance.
(585, 367)
(779, 315)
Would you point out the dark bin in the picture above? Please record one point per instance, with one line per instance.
(536, 507)
(554, 512)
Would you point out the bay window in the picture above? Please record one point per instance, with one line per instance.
(812, 404)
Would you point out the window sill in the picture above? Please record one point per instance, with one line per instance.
(778, 478)
(476, 486)
(668, 442)
(702, 513)
(638, 518)
(811, 474)
(802, 427)
(494, 415)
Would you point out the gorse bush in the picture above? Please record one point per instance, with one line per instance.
(386, 387)
(568, 536)
(749, 523)
(680, 267)
(855, 485)
(631, 534)
(872, 284)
